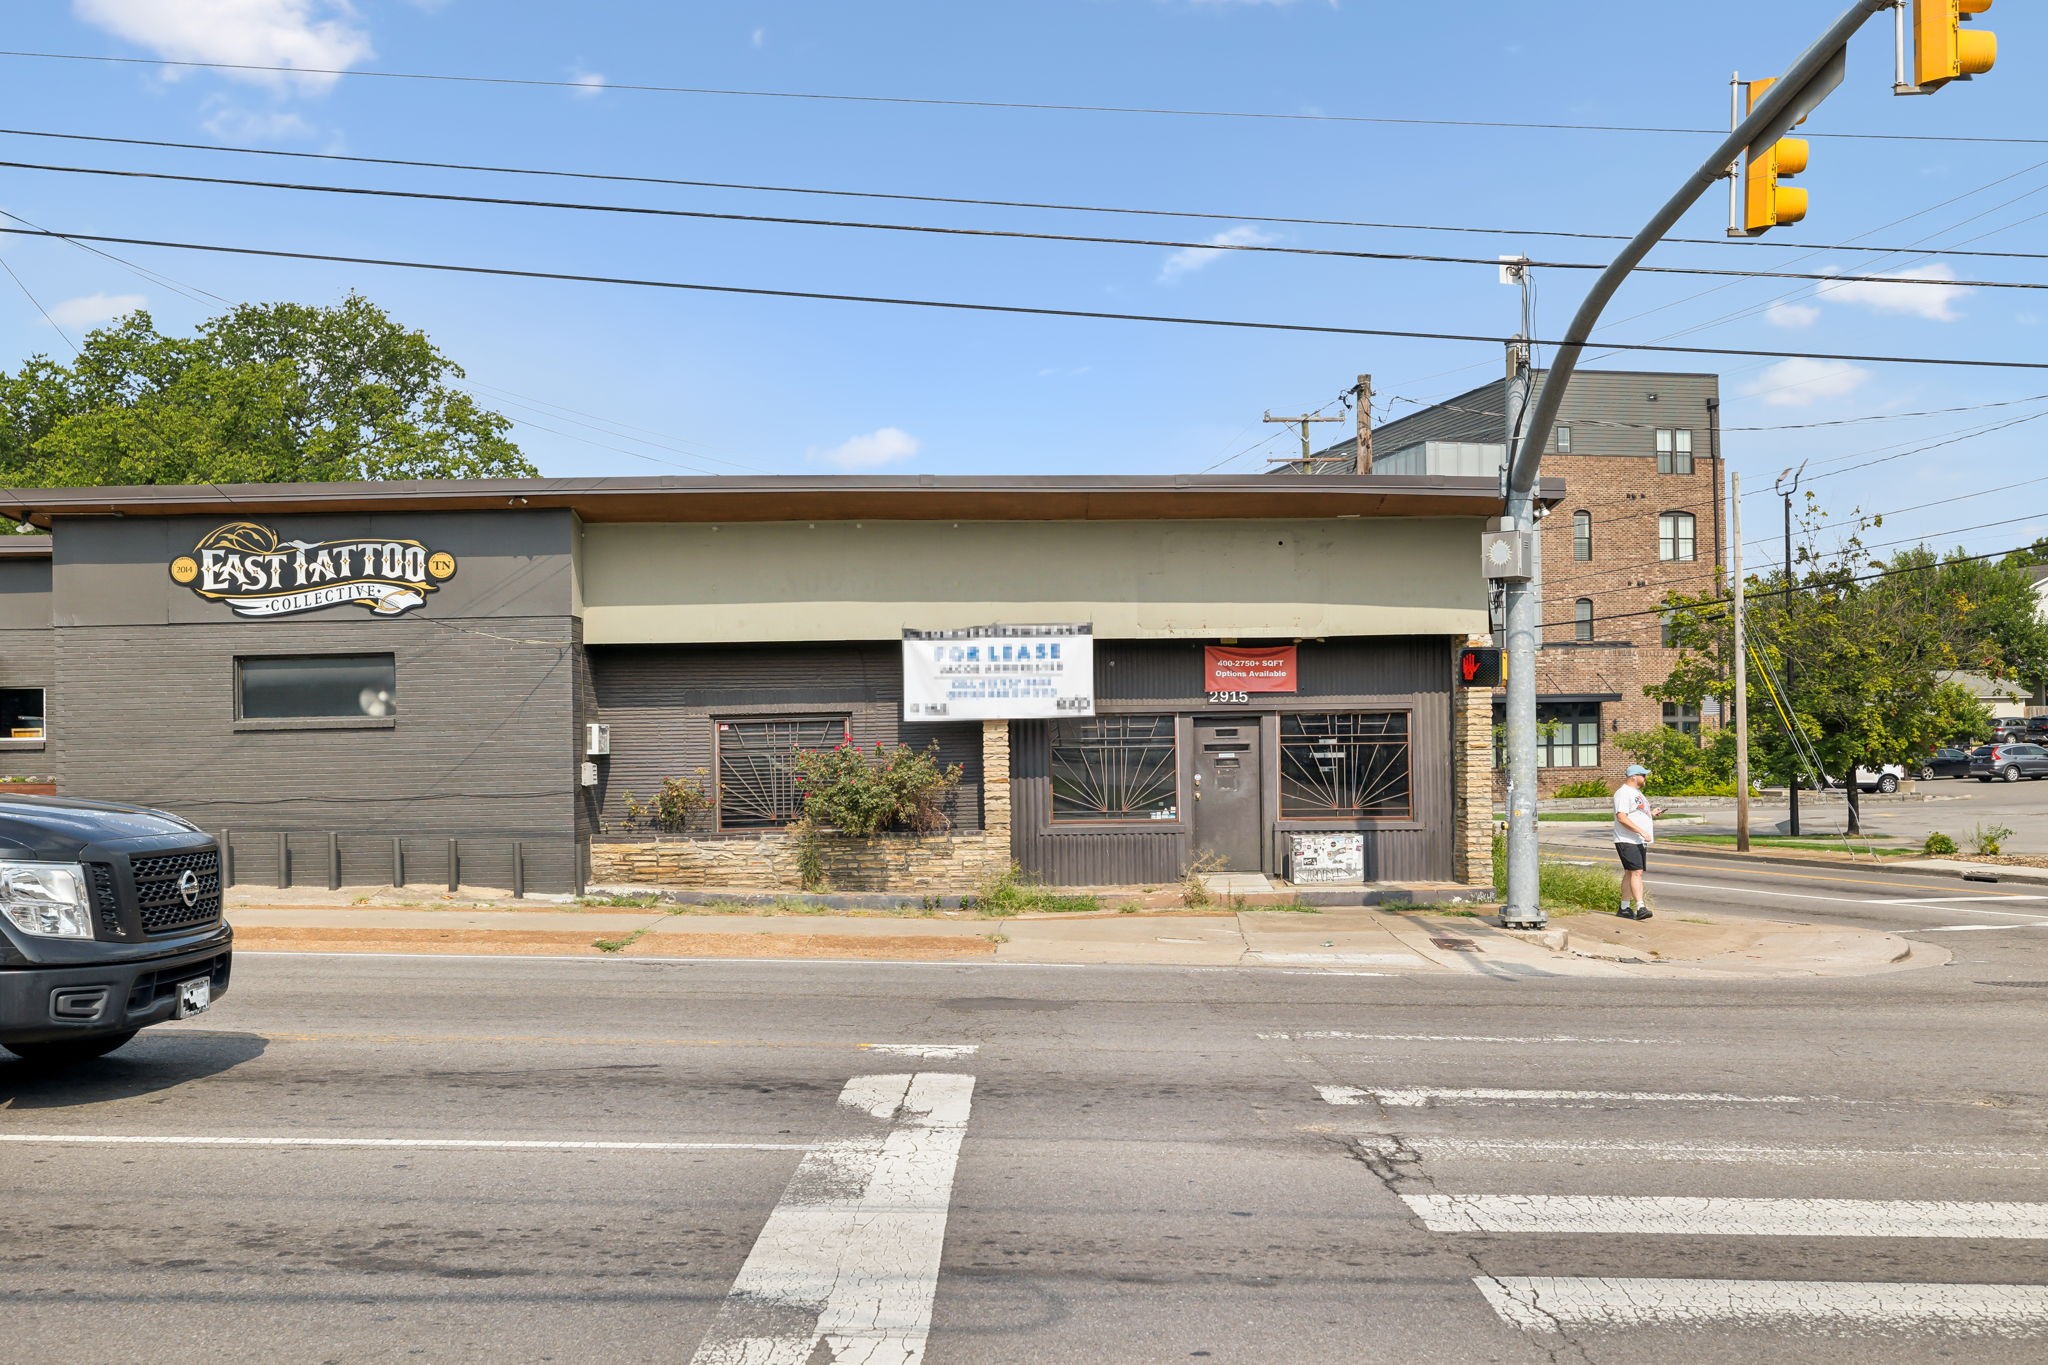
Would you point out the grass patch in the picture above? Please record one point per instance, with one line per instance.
(1563, 888)
(1836, 845)
(781, 905)
(641, 902)
(618, 945)
(1006, 894)
(1594, 817)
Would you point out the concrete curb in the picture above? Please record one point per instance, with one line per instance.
(1322, 898)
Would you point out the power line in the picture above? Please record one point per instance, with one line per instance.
(932, 102)
(25, 293)
(641, 210)
(1015, 309)
(1050, 206)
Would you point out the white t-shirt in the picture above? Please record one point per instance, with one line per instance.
(1629, 801)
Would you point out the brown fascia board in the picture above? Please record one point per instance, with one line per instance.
(24, 547)
(811, 498)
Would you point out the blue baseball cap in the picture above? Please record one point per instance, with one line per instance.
(1637, 770)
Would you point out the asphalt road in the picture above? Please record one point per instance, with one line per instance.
(358, 1158)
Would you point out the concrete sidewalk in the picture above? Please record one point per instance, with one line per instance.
(1356, 940)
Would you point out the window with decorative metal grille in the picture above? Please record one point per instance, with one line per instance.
(1674, 452)
(1115, 768)
(1346, 765)
(757, 768)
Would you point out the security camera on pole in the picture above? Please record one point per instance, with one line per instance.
(1944, 51)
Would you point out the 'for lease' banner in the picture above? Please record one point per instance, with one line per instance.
(999, 673)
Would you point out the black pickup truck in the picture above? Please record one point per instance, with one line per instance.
(110, 920)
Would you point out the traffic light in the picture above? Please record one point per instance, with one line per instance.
(1944, 49)
(1482, 667)
(1765, 203)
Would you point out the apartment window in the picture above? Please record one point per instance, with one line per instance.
(757, 767)
(316, 687)
(1684, 719)
(1568, 734)
(1115, 768)
(21, 713)
(1667, 636)
(1675, 536)
(1564, 438)
(1582, 620)
(1674, 452)
(1582, 535)
(1345, 766)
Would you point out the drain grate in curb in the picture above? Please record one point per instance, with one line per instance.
(2043, 985)
(1462, 945)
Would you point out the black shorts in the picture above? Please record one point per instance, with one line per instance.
(1632, 856)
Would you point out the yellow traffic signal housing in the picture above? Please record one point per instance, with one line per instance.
(1766, 203)
(1944, 47)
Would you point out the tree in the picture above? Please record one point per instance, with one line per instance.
(264, 393)
(1873, 647)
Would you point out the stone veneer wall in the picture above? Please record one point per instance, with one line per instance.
(892, 862)
(1472, 786)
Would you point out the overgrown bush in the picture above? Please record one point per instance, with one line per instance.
(1987, 840)
(1938, 845)
(1194, 892)
(1586, 787)
(672, 806)
(849, 790)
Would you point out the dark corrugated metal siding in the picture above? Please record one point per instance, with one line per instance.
(1411, 674)
(664, 703)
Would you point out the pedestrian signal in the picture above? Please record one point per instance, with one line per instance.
(1482, 667)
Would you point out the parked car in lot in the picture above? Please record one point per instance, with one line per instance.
(1884, 778)
(2008, 729)
(1946, 761)
(2037, 729)
(110, 921)
(2008, 762)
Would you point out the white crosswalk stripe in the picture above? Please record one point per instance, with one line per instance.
(1546, 1304)
(1668, 1216)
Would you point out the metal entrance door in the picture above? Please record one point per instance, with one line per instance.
(1228, 820)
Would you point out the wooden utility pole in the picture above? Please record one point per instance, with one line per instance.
(1305, 419)
(1741, 666)
(1363, 396)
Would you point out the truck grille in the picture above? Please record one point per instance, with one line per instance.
(160, 903)
(106, 903)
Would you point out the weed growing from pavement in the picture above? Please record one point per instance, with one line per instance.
(623, 902)
(1564, 888)
(618, 945)
(1006, 894)
(1988, 840)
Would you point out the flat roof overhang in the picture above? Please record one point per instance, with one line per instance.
(917, 497)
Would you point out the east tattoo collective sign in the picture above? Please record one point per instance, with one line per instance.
(246, 565)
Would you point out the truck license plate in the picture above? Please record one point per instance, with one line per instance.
(194, 996)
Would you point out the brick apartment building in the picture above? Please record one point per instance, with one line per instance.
(1640, 456)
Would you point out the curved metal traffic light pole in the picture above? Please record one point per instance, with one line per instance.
(1809, 78)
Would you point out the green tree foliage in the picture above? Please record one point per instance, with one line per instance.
(1873, 656)
(264, 393)
(1682, 764)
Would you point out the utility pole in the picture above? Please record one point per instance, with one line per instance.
(1363, 394)
(1304, 420)
(1786, 491)
(1741, 667)
(1778, 106)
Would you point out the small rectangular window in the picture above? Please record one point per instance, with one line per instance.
(1345, 766)
(1684, 719)
(1675, 536)
(1582, 620)
(757, 767)
(1564, 438)
(1115, 768)
(1582, 535)
(21, 713)
(316, 686)
(1674, 452)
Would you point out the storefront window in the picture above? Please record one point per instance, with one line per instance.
(1115, 768)
(756, 768)
(21, 713)
(1345, 766)
(1568, 734)
(317, 686)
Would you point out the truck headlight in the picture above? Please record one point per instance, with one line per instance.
(46, 899)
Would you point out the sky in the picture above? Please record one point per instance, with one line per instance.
(603, 379)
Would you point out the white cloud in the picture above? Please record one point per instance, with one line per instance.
(232, 123)
(889, 445)
(93, 309)
(1782, 314)
(760, 37)
(1933, 302)
(590, 84)
(294, 33)
(1803, 381)
(1188, 260)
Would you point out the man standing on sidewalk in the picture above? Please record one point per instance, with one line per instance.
(1635, 829)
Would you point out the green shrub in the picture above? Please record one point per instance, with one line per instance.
(1938, 845)
(1574, 791)
(1682, 764)
(1986, 840)
(846, 790)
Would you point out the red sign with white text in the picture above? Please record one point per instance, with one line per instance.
(1230, 669)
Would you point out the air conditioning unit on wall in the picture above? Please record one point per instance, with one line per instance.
(600, 741)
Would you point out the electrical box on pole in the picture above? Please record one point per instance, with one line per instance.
(1508, 556)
